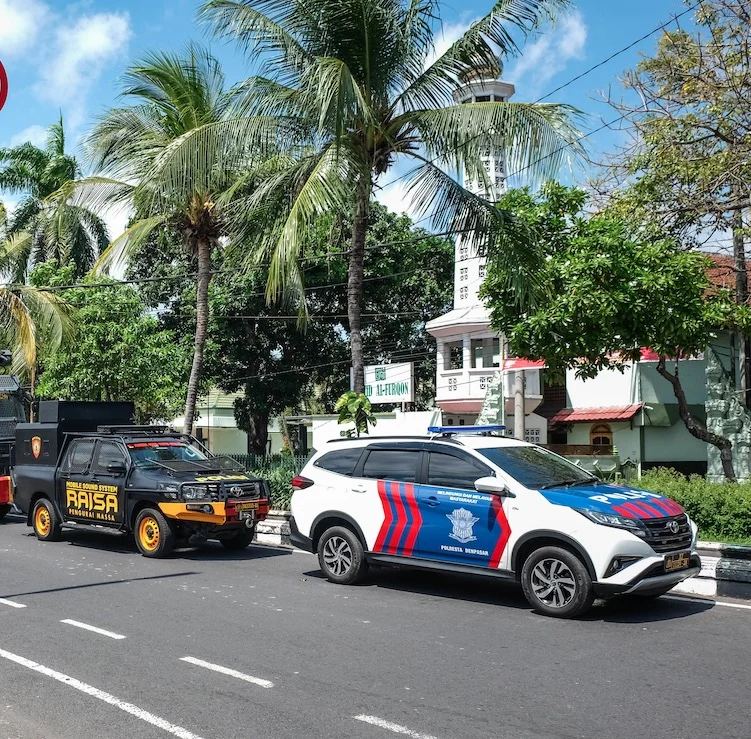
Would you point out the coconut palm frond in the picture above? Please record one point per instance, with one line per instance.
(117, 253)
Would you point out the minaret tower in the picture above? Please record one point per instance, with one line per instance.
(480, 86)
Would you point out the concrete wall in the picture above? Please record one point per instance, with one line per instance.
(672, 444)
(608, 388)
(656, 389)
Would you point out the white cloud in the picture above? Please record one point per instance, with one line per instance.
(395, 197)
(20, 25)
(36, 135)
(549, 55)
(80, 53)
(449, 33)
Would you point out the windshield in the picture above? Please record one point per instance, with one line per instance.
(148, 454)
(535, 467)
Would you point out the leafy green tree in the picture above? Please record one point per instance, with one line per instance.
(355, 83)
(647, 293)
(258, 349)
(178, 99)
(355, 408)
(119, 352)
(46, 226)
(685, 169)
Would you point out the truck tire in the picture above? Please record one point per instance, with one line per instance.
(239, 540)
(341, 556)
(4, 510)
(45, 521)
(556, 583)
(154, 534)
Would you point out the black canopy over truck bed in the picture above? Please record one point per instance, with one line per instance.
(86, 464)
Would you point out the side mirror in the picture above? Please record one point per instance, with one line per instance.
(494, 486)
(116, 468)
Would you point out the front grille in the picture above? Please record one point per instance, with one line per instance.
(662, 539)
(242, 490)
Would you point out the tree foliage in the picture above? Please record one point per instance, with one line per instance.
(355, 408)
(609, 292)
(46, 225)
(119, 352)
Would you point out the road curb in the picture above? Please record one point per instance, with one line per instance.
(725, 568)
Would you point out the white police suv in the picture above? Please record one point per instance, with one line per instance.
(467, 499)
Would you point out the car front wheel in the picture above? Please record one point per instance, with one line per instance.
(341, 556)
(556, 583)
(154, 535)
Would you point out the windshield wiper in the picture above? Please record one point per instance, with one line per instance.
(568, 483)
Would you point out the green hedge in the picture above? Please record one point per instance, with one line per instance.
(722, 511)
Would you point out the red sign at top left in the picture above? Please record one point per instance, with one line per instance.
(3, 86)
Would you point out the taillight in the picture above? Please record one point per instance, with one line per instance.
(300, 482)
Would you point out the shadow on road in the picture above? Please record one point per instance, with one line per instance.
(487, 591)
(99, 584)
(213, 550)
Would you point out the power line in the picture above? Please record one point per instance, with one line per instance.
(552, 92)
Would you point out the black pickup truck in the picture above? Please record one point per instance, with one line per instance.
(85, 464)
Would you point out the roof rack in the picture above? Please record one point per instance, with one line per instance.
(448, 431)
(144, 430)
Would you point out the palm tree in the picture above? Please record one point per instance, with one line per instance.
(140, 150)
(46, 226)
(357, 78)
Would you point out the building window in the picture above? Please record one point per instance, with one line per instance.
(464, 273)
(482, 99)
(463, 293)
(485, 353)
(463, 252)
(453, 358)
(601, 436)
(453, 384)
(499, 166)
(532, 436)
(482, 271)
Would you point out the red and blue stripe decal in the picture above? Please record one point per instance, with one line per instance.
(650, 508)
(402, 519)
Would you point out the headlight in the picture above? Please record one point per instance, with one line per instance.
(620, 522)
(195, 492)
(170, 487)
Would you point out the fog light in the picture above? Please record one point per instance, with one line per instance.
(200, 507)
(619, 563)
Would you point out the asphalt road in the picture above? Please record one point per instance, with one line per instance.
(274, 651)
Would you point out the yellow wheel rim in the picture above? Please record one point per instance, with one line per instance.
(148, 533)
(42, 521)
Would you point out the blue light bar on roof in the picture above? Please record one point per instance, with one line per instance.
(464, 429)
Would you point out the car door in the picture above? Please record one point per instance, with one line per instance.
(81, 498)
(460, 525)
(108, 473)
(390, 520)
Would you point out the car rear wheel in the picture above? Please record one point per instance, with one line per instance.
(4, 510)
(556, 583)
(45, 521)
(239, 540)
(341, 556)
(154, 535)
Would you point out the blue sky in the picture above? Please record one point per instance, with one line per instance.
(68, 56)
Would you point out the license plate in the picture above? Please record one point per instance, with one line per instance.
(251, 505)
(678, 561)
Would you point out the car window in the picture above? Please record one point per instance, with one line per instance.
(342, 461)
(448, 471)
(392, 464)
(79, 456)
(110, 452)
(535, 467)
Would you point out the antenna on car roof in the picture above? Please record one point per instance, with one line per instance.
(454, 430)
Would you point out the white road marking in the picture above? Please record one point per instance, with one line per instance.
(389, 726)
(704, 600)
(11, 603)
(227, 671)
(140, 713)
(95, 629)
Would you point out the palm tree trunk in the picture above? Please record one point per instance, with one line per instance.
(203, 249)
(355, 287)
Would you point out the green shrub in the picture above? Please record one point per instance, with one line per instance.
(722, 511)
(279, 479)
